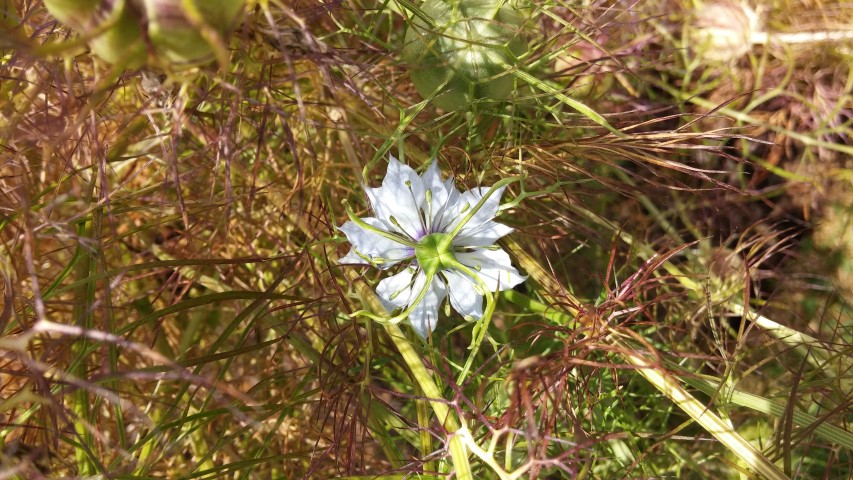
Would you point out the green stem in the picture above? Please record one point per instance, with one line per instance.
(458, 452)
(456, 445)
(572, 103)
(414, 10)
(482, 324)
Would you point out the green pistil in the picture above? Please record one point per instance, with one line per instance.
(434, 253)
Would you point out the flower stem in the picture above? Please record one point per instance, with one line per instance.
(448, 418)
(482, 324)
(801, 37)
(458, 452)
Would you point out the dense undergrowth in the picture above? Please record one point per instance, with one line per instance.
(173, 305)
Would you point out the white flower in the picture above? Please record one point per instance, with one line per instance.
(444, 241)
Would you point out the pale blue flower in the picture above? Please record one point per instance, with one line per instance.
(442, 240)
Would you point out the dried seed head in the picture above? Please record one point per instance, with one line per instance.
(727, 272)
(722, 31)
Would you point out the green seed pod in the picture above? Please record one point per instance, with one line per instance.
(113, 32)
(184, 32)
(465, 54)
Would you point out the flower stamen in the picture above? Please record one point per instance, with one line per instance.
(420, 211)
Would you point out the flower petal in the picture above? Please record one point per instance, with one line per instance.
(401, 197)
(443, 193)
(394, 291)
(463, 297)
(489, 209)
(424, 317)
(487, 234)
(469, 200)
(372, 245)
(431, 179)
(493, 267)
(352, 258)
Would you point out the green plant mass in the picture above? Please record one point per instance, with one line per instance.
(177, 33)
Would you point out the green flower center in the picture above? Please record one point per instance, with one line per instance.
(434, 253)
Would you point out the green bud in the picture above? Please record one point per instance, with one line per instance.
(396, 294)
(396, 223)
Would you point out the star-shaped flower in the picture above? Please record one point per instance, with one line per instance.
(444, 239)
